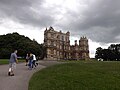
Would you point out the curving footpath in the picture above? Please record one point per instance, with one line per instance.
(22, 76)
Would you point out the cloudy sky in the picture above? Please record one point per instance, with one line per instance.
(99, 20)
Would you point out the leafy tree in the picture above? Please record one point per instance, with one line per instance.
(10, 42)
(112, 53)
(98, 53)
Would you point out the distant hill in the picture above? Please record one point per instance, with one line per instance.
(24, 45)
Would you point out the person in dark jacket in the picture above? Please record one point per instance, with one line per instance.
(30, 61)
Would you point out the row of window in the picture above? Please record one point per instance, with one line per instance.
(55, 52)
(59, 37)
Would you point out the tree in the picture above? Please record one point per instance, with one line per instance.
(112, 53)
(10, 42)
(98, 53)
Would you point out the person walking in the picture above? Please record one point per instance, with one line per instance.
(12, 63)
(30, 61)
(34, 61)
(26, 59)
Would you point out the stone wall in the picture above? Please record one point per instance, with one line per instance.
(58, 46)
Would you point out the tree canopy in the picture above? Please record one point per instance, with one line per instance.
(110, 54)
(24, 45)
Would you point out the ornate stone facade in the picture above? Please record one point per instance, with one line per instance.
(58, 46)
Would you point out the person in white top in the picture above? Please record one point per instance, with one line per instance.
(34, 61)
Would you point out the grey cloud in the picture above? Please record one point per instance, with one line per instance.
(20, 11)
(100, 22)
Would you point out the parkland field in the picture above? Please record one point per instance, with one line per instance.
(6, 61)
(78, 75)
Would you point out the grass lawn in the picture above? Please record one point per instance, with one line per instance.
(6, 61)
(78, 76)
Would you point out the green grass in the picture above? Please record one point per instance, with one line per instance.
(6, 61)
(78, 76)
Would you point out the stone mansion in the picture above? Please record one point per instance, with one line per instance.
(58, 46)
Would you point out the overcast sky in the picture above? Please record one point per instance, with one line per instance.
(99, 20)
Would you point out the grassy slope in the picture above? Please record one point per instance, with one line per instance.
(6, 61)
(78, 76)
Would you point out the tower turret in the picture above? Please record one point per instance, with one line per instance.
(76, 43)
(83, 43)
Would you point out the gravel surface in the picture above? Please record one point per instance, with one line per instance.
(22, 75)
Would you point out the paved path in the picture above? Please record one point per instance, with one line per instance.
(22, 76)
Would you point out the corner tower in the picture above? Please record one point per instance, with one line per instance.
(84, 48)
